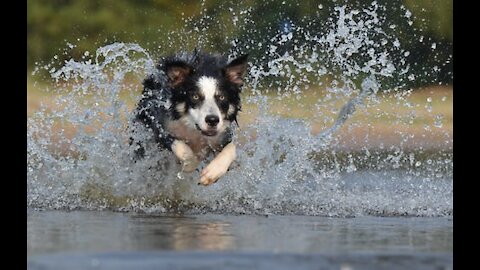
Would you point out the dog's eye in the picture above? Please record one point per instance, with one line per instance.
(221, 97)
(195, 97)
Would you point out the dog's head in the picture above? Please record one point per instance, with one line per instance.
(205, 90)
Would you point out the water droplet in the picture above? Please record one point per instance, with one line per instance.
(350, 35)
(438, 121)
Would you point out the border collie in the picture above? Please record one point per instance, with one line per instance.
(189, 104)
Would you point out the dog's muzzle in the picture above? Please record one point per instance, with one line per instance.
(209, 132)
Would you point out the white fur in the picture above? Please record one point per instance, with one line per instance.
(231, 109)
(219, 165)
(185, 154)
(208, 87)
(180, 107)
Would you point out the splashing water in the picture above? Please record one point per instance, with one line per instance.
(79, 156)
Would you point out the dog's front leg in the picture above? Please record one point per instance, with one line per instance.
(219, 165)
(186, 156)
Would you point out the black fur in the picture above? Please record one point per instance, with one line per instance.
(174, 82)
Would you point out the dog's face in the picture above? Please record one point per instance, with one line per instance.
(206, 92)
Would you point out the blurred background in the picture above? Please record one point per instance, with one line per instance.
(89, 24)
(58, 30)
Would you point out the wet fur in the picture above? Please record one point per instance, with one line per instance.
(168, 104)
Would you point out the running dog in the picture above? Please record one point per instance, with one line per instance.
(189, 104)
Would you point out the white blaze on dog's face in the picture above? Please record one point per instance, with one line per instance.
(206, 92)
(206, 115)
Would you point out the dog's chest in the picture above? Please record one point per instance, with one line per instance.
(199, 144)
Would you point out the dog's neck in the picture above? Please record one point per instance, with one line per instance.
(201, 145)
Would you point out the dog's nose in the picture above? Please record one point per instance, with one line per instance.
(212, 120)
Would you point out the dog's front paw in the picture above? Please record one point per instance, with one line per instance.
(186, 156)
(216, 169)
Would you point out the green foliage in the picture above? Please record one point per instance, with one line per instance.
(89, 24)
(154, 24)
(433, 16)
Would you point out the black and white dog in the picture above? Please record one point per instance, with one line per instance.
(190, 104)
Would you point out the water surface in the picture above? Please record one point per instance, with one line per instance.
(60, 239)
(79, 231)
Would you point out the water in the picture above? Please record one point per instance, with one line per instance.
(59, 231)
(79, 158)
(83, 240)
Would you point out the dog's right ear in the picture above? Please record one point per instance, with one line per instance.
(177, 72)
(236, 70)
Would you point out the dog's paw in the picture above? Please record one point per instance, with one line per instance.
(186, 156)
(216, 169)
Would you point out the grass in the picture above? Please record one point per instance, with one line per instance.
(388, 119)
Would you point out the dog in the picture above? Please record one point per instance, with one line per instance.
(189, 104)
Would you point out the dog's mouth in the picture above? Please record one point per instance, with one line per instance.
(208, 132)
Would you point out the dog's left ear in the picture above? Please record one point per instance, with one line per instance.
(236, 70)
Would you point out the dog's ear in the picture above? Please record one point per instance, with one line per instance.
(236, 70)
(177, 72)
